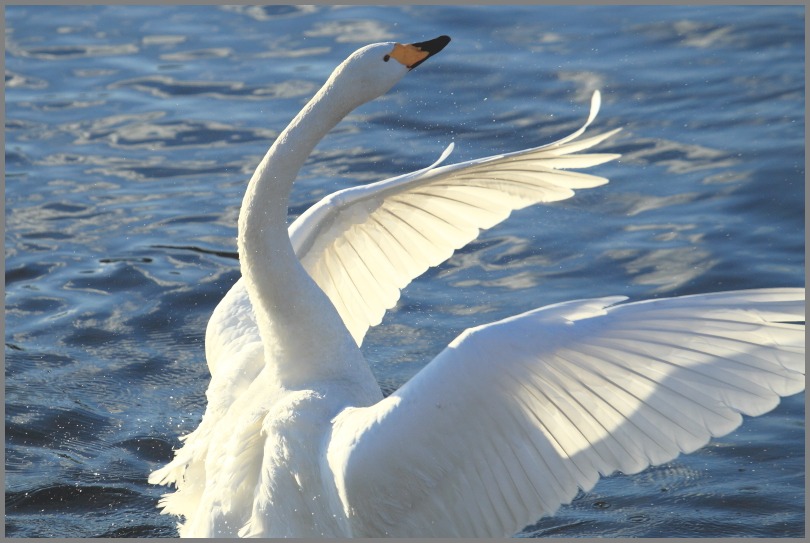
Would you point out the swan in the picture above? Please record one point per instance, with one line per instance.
(506, 423)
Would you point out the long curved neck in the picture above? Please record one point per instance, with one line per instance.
(286, 301)
(263, 217)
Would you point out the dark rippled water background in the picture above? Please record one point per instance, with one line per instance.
(131, 133)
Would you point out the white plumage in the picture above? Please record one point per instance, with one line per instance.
(505, 424)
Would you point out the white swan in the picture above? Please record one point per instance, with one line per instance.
(501, 427)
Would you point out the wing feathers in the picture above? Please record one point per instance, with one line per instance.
(418, 220)
(514, 417)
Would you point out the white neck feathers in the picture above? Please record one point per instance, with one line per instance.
(285, 299)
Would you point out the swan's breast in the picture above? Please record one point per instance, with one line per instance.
(295, 494)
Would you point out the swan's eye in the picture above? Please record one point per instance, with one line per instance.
(386, 58)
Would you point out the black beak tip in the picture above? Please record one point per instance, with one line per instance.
(431, 47)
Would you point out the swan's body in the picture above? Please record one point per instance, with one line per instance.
(508, 421)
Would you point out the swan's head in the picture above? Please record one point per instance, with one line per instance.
(372, 70)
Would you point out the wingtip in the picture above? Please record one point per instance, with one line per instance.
(596, 104)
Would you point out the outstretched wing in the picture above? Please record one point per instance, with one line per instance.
(513, 417)
(362, 245)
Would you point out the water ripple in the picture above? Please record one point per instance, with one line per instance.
(162, 86)
(272, 12)
(68, 52)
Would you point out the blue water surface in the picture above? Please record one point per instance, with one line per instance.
(131, 133)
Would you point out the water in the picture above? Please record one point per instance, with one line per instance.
(131, 132)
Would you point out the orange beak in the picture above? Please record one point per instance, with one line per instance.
(413, 54)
